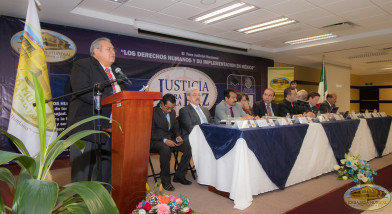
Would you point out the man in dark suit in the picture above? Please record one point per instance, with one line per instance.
(193, 114)
(288, 105)
(165, 137)
(310, 107)
(260, 108)
(85, 74)
(326, 106)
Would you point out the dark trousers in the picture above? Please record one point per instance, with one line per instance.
(165, 153)
(83, 165)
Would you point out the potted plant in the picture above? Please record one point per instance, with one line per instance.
(32, 192)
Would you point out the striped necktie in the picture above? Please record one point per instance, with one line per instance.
(110, 76)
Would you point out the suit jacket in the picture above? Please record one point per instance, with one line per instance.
(189, 118)
(85, 73)
(160, 127)
(285, 107)
(305, 107)
(221, 111)
(325, 107)
(260, 109)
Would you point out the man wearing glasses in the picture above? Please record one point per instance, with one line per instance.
(165, 137)
(266, 106)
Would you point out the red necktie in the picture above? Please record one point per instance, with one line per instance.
(292, 105)
(111, 79)
(269, 110)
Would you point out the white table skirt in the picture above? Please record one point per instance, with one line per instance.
(241, 174)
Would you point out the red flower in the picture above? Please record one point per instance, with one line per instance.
(147, 206)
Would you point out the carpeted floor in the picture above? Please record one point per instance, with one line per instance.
(293, 199)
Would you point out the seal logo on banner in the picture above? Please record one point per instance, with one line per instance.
(367, 197)
(58, 48)
(177, 80)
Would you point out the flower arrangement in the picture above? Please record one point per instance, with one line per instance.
(353, 168)
(158, 203)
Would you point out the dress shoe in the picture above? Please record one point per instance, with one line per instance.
(168, 186)
(182, 181)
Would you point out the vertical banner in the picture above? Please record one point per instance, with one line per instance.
(23, 118)
(279, 79)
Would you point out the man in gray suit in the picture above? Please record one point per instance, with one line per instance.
(193, 114)
(230, 106)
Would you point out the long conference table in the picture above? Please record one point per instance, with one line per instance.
(252, 161)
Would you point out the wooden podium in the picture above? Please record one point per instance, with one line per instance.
(131, 147)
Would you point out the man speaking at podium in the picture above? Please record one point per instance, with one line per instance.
(96, 71)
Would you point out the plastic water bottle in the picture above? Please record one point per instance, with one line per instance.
(375, 111)
(366, 111)
(288, 117)
(228, 120)
(318, 114)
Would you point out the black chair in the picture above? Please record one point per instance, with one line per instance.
(157, 175)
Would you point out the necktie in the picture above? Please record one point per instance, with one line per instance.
(292, 105)
(168, 120)
(269, 110)
(231, 112)
(203, 118)
(111, 79)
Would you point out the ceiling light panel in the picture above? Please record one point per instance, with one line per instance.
(224, 12)
(266, 25)
(311, 39)
(118, 1)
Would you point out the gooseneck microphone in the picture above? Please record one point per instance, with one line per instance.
(122, 75)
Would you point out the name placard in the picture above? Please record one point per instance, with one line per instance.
(375, 115)
(383, 114)
(368, 115)
(262, 123)
(241, 124)
(301, 120)
(252, 123)
(281, 122)
(353, 116)
(337, 117)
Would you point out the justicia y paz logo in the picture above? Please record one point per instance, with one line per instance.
(177, 80)
(367, 197)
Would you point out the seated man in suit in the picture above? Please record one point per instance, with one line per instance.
(288, 105)
(326, 106)
(302, 95)
(165, 137)
(266, 106)
(310, 107)
(193, 114)
(230, 106)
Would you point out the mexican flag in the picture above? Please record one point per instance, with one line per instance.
(322, 89)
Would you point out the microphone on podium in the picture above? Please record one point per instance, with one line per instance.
(122, 75)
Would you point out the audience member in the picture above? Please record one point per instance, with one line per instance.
(293, 84)
(302, 95)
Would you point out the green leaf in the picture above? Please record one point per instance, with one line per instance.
(66, 131)
(41, 113)
(6, 175)
(96, 197)
(2, 206)
(35, 196)
(18, 143)
(78, 208)
(24, 161)
(60, 146)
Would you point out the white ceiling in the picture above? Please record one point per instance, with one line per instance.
(366, 47)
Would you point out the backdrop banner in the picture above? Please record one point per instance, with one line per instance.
(162, 66)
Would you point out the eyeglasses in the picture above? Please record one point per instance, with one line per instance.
(169, 108)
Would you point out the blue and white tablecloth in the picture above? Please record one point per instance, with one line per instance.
(249, 162)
